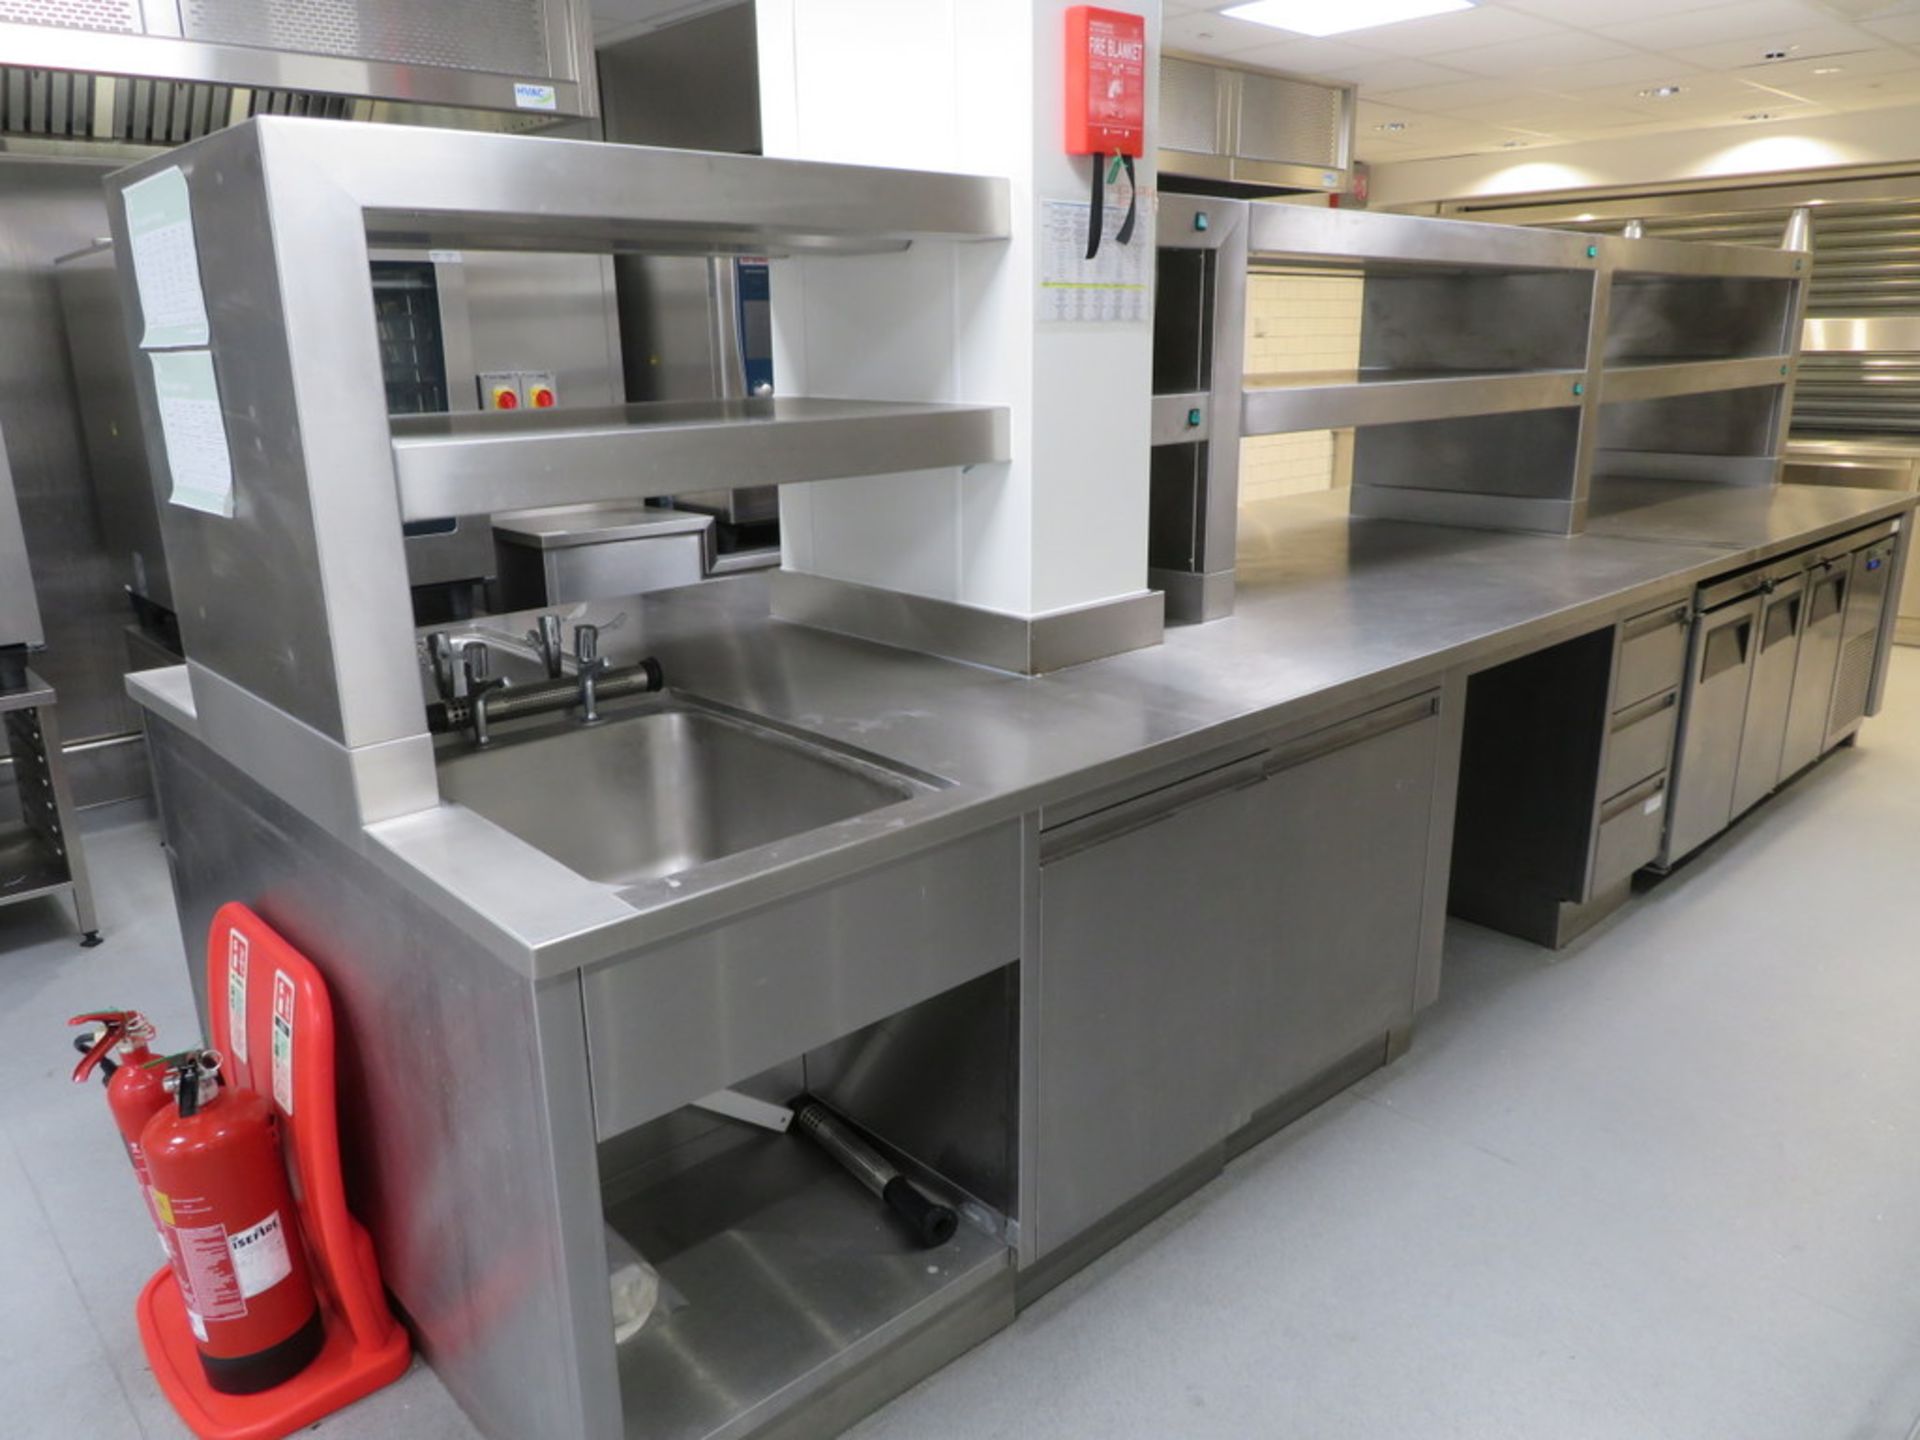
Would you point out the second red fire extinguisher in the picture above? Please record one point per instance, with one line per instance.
(136, 1091)
(220, 1186)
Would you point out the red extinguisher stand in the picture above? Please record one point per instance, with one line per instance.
(272, 1021)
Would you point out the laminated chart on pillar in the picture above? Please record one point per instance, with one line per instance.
(1113, 288)
(193, 430)
(166, 261)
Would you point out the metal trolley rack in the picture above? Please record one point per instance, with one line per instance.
(39, 854)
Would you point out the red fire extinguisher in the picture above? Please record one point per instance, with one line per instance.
(136, 1085)
(220, 1186)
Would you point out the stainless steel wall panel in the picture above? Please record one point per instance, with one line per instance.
(47, 209)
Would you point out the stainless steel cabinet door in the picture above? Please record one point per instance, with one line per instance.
(1860, 638)
(1827, 586)
(1716, 713)
(1771, 696)
(1344, 854)
(1144, 937)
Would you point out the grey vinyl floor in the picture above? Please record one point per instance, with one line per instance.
(1665, 1184)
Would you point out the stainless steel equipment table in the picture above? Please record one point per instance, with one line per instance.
(40, 853)
(1289, 771)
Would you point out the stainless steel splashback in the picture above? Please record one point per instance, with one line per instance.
(78, 60)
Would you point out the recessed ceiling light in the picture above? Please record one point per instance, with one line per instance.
(1337, 17)
(1392, 127)
(1829, 69)
(1661, 92)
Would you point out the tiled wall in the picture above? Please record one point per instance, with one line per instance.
(1295, 323)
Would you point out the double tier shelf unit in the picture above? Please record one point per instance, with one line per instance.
(1502, 371)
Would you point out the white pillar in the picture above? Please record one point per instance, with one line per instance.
(974, 86)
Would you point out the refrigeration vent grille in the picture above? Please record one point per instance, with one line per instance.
(119, 16)
(1856, 680)
(504, 36)
(59, 105)
(1878, 392)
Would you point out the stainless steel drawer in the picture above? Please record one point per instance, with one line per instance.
(1640, 743)
(1630, 833)
(1653, 655)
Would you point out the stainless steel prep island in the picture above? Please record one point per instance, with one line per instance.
(1074, 941)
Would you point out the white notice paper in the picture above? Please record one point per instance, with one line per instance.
(194, 430)
(166, 262)
(1115, 287)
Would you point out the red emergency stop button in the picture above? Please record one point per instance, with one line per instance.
(505, 397)
(544, 398)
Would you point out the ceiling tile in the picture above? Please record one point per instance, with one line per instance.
(1582, 13)
(1799, 44)
(1521, 57)
(1456, 95)
(1632, 72)
(1749, 18)
(1385, 72)
(1308, 56)
(1461, 30)
(1901, 29)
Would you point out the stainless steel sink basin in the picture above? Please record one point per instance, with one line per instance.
(660, 790)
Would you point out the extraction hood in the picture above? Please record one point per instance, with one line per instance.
(160, 72)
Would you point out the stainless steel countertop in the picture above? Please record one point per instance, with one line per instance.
(1852, 446)
(1332, 612)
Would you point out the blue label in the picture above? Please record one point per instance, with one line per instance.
(536, 97)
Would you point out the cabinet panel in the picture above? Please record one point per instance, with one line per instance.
(1143, 937)
(1347, 834)
(1860, 638)
(1639, 743)
(1813, 675)
(1653, 655)
(1722, 657)
(1771, 696)
(1210, 946)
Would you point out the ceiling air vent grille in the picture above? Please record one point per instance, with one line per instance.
(118, 16)
(503, 36)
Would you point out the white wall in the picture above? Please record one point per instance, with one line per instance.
(972, 86)
(1875, 137)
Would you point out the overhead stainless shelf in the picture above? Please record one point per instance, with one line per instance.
(1306, 234)
(478, 464)
(1666, 379)
(1338, 400)
(415, 187)
(1682, 259)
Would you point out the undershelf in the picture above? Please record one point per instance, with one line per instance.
(779, 1274)
(1338, 400)
(29, 866)
(1625, 381)
(486, 463)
